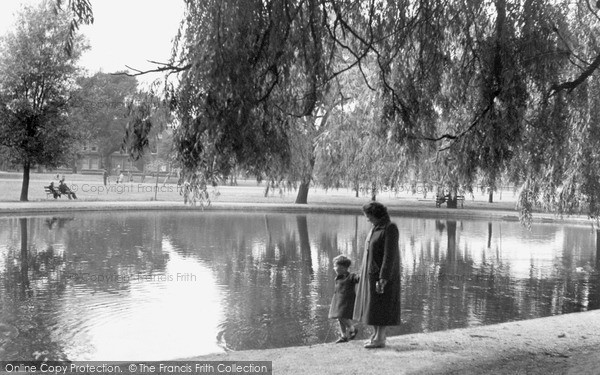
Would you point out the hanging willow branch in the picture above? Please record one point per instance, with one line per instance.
(82, 14)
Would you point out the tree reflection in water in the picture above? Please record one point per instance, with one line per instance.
(274, 275)
(30, 288)
(276, 298)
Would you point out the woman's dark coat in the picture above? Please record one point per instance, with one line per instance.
(381, 260)
(342, 303)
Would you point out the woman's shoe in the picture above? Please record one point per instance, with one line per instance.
(352, 333)
(375, 345)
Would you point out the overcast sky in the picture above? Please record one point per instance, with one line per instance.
(125, 32)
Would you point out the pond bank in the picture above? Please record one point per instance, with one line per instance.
(252, 196)
(562, 344)
(412, 208)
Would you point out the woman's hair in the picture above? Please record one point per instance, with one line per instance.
(377, 210)
(342, 260)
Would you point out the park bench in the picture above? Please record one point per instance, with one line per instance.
(50, 192)
(441, 199)
(59, 191)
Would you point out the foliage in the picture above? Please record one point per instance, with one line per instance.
(483, 82)
(477, 89)
(81, 11)
(36, 78)
(239, 95)
(355, 150)
(100, 109)
(195, 191)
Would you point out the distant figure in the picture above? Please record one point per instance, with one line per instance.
(105, 176)
(120, 180)
(64, 189)
(342, 303)
(54, 190)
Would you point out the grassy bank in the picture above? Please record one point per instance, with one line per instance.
(249, 195)
(90, 188)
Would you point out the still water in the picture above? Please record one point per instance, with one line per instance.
(166, 285)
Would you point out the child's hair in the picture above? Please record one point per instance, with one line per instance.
(342, 260)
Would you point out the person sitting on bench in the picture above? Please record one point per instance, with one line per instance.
(53, 190)
(64, 189)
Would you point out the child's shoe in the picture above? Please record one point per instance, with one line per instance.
(341, 340)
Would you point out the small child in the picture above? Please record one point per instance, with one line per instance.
(342, 303)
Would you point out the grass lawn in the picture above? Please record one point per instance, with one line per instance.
(90, 188)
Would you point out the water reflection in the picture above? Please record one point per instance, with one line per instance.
(132, 286)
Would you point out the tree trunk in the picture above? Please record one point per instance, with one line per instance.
(594, 293)
(25, 185)
(155, 186)
(491, 196)
(452, 202)
(302, 197)
(24, 257)
(598, 248)
(74, 163)
(270, 249)
(355, 244)
(106, 160)
(451, 229)
(374, 191)
(305, 252)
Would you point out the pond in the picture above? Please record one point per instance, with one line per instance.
(160, 285)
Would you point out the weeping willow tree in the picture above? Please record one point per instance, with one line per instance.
(252, 73)
(498, 87)
(479, 89)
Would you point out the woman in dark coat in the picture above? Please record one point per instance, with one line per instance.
(378, 295)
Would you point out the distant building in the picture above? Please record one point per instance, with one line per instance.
(91, 160)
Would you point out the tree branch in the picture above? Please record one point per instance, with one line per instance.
(592, 10)
(566, 43)
(571, 85)
(456, 137)
(163, 68)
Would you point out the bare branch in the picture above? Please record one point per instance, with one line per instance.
(163, 68)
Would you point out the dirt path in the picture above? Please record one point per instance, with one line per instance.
(564, 344)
